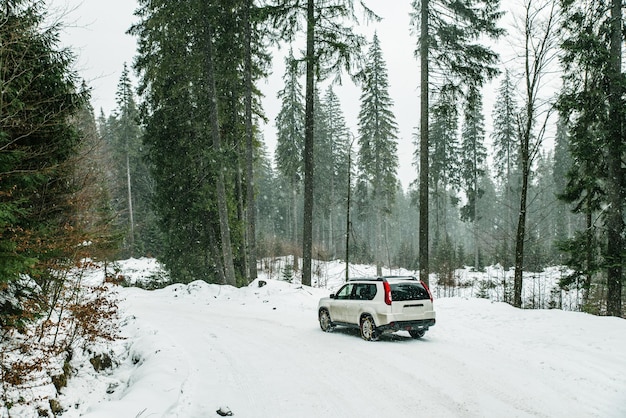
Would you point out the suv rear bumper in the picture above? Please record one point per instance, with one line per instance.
(422, 324)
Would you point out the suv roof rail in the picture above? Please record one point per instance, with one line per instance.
(372, 279)
(382, 278)
(407, 277)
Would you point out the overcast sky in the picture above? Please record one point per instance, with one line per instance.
(96, 31)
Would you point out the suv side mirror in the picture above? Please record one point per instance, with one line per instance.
(332, 296)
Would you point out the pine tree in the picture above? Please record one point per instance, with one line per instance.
(448, 35)
(330, 46)
(473, 156)
(506, 166)
(445, 167)
(290, 136)
(378, 158)
(40, 102)
(197, 76)
(125, 144)
(331, 160)
(322, 178)
(562, 165)
(592, 100)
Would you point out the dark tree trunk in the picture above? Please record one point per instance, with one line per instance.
(250, 196)
(423, 187)
(615, 192)
(229, 268)
(307, 234)
(521, 224)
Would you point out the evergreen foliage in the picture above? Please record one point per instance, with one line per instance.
(39, 100)
(378, 134)
(473, 160)
(504, 136)
(331, 46)
(592, 102)
(332, 140)
(191, 59)
(445, 160)
(450, 32)
(131, 181)
(290, 138)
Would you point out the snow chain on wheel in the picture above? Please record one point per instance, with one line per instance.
(368, 329)
(325, 321)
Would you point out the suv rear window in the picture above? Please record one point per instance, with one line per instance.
(408, 291)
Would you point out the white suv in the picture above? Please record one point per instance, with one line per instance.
(379, 305)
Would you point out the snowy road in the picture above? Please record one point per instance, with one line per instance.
(260, 352)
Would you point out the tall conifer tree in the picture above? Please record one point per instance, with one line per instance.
(473, 157)
(378, 158)
(449, 47)
(506, 166)
(40, 101)
(331, 46)
(290, 136)
(592, 100)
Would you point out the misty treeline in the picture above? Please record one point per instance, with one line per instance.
(518, 195)
(180, 170)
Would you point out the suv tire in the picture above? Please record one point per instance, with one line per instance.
(417, 333)
(368, 329)
(326, 324)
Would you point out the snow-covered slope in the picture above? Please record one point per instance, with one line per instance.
(259, 352)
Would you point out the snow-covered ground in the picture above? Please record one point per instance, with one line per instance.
(190, 350)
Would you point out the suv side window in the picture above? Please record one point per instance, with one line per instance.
(365, 291)
(345, 292)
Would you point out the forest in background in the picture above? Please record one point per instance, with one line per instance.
(476, 178)
(179, 171)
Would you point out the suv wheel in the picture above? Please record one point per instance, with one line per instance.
(368, 329)
(417, 333)
(325, 322)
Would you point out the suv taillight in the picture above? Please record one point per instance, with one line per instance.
(428, 290)
(387, 293)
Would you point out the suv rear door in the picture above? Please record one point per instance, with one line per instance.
(410, 301)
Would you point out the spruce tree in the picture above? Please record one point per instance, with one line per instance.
(444, 161)
(449, 47)
(196, 75)
(506, 167)
(473, 156)
(290, 137)
(592, 100)
(331, 160)
(331, 45)
(378, 134)
(40, 102)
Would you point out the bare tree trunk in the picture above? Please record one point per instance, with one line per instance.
(475, 226)
(307, 235)
(130, 204)
(229, 268)
(588, 249)
(378, 241)
(423, 187)
(294, 216)
(521, 227)
(539, 38)
(250, 195)
(615, 193)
